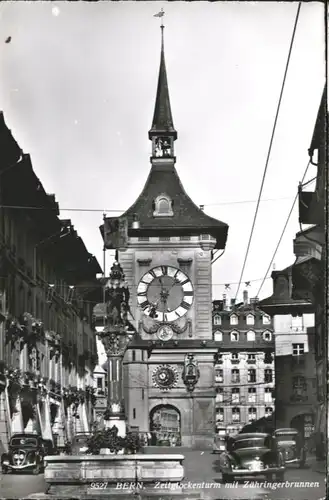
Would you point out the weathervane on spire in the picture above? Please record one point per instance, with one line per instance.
(160, 14)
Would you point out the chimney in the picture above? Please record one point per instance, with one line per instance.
(245, 297)
(224, 302)
(217, 305)
(254, 301)
(232, 302)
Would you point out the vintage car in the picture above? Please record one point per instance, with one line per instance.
(253, 454)
(25, 453)
(289, 442)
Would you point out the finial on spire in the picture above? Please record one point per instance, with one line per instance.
(160, 14)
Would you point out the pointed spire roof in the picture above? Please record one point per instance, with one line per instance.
(162, 119)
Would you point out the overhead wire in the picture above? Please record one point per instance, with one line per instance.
(282, 234)
(102, 210)
(270, 148)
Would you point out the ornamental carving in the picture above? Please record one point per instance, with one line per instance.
(165, 377)
(180, 326)
(115, 344)
(191, 372)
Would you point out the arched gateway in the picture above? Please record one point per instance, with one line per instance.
(165, 425)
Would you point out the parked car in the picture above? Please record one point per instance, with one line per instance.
(26, 452)
(289, 442)
(253, 454)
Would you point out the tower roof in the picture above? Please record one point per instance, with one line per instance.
(187, 219)
(162, 118)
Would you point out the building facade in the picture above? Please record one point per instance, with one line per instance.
(244, 369)
(47, 291)
(295, 377)
(300, 289)
(167, 264)
(310, 270)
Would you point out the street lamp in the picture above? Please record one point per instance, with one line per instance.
(116, 336)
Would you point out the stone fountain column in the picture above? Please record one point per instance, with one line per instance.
(116, 336)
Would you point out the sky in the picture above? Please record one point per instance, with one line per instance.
(77, 88)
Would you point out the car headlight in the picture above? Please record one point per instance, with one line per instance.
(16, 455)
(21, 456)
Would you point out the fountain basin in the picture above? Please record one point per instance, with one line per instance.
(101, 474)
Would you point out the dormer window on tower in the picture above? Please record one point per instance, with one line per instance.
(163, 206)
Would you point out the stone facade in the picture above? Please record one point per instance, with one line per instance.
(47, 282)
(244, 369)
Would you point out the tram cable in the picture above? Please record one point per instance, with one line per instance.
(270, 148)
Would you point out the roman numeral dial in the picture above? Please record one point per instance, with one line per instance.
(165, 293)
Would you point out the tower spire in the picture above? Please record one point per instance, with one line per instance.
(162, 133)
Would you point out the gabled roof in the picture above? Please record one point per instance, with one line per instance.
(281, 301)
(188, 218)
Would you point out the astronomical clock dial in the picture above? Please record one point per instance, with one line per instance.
(165, 294)
(165, 377)
(165, 333)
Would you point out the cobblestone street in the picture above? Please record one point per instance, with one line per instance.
(202, 467)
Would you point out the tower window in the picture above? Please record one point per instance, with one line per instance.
(268, 395)
(219, 376)
(266, 319)
(297, 349)
(252, 375)
(233, 319)
(235, 395)
(134, 413)
(268, 411)
(234, 336)
(236, 414)
(219, 395)
(134, 355)
(235, 376)
(252, 395)
(218, 337)
(250, 319)
(267, 336)
(217, 320)
(268, 376)
(219, 415)
(252, 414)
(251, 336)
(163, 206)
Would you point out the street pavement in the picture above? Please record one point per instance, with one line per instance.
(202, 467)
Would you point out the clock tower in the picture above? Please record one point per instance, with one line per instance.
(169, 366)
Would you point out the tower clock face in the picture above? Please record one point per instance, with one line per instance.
(165, 294)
